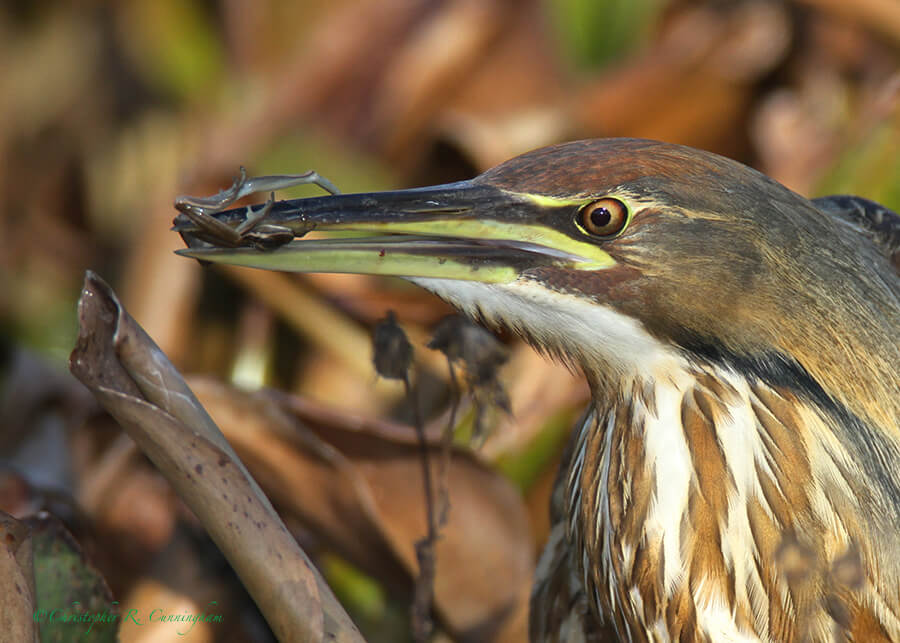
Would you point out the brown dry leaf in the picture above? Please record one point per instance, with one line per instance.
(17, 497)
(357, 483)
(694, 84)
(509, 101)
(808, 134)
(326, 80)
(134, 382)
(17, 600)
(520, 70)
(878, 15)
(430, 67)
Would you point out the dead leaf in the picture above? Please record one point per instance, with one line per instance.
(18, 600)
(129, 376)
(357, 483)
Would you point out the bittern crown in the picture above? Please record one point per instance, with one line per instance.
(742, 452)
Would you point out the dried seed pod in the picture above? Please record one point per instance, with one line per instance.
(481, 353)
(393, 352)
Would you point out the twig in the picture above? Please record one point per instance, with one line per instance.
(393, 358)
(424, 590)
(447, 445)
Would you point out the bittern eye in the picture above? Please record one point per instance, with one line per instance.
(603, 217)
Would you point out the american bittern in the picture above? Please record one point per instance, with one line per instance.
(737, 475)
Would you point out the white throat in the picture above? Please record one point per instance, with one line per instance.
(587, 332)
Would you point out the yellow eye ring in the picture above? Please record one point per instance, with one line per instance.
(604, 217)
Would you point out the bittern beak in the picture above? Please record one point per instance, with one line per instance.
(467, 230)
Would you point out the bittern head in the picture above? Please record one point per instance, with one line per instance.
(617, 253)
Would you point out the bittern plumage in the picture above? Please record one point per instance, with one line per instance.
(737, 475)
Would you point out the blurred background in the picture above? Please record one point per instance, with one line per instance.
(108, 111)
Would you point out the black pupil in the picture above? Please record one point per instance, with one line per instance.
(601, 217)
